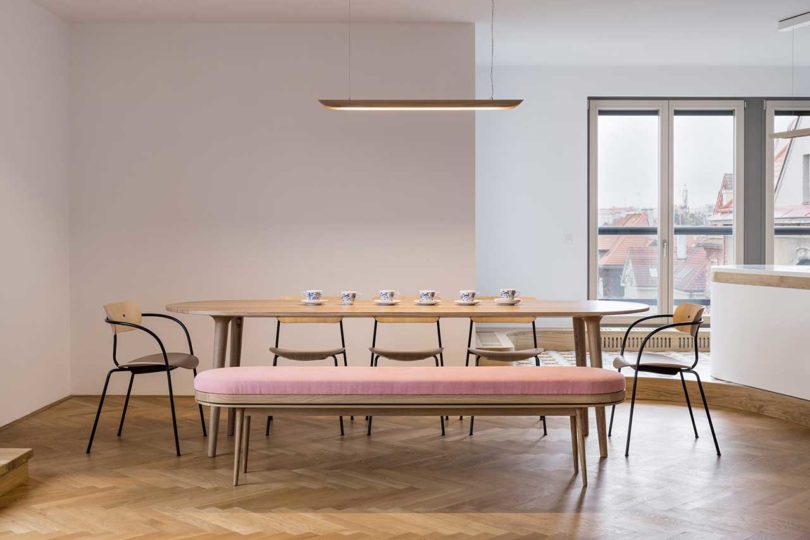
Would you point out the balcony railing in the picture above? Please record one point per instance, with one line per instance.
(689, 230)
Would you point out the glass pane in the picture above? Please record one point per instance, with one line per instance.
(703, 197)
(791, 205)
(627, 196)
(628, 268)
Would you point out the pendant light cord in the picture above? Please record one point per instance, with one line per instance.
(492, 50)
(349, 48)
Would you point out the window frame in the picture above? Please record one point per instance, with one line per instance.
(771, 106)
(666, 183)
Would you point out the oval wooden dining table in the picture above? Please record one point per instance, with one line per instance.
(230, 314)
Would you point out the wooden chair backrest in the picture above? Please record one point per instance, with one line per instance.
(309, 320)
(407, 320)
(688, 313)
(123, 311)
(504, 319)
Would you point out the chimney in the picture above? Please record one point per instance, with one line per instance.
(680, 246)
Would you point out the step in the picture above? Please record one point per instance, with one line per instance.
(13, 467)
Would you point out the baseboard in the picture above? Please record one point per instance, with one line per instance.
(32, 413)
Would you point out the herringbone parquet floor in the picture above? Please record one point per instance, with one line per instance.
(508, 481)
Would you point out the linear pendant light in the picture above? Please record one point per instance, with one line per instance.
(490, 104)
(791, 24)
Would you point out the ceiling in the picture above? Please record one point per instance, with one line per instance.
(527, 32)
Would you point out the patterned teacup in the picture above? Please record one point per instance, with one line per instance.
(387, 295)
(347, 297)
(508, 294)
(467, 295)
(427, 296)
(313, 295)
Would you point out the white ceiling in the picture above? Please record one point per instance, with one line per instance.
(527, 32)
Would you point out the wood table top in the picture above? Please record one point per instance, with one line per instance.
(332, 307)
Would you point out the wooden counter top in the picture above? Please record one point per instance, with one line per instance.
(763, 275)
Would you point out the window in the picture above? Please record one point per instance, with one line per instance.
(665, 188)
(788, 181)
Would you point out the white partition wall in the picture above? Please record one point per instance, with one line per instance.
(34, 299)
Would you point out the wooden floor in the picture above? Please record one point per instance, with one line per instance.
(405, 481)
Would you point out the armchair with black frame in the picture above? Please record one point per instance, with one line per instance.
(687, 318)
(126, 317)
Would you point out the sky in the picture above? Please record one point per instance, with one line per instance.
(703, 151)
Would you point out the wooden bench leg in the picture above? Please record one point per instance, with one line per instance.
(247, 443)
(574, 451)
(237, 445)
(581, 443)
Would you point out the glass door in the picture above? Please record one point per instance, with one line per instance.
(707, 139)
(665, 198)
(628, 160)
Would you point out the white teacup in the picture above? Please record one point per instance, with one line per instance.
(313, 295)
(508, 294)
(347, 297)
(427, 296)
(467, 295)
(387, 295)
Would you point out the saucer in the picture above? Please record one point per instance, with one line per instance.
(312, 302)
(420, 303)
(383, 303)
(505, 302)
(472, 303)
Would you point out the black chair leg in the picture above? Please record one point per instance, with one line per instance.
(370, 418)
(98, 412)
(342, 433)
(688, 404)
(632, 407)
(612, 412)
(472, 425)
(441, 419)
(708, 415)
(267, 427)
(202, 415)
(610, 427)
(174, 416)
(545, 429)
(126, 403)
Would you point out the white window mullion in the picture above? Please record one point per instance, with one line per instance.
(665, 192)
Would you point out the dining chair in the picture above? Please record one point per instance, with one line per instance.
(406, 356)
(126, 317)
(308, 355)
(687, 319)
(506, 357)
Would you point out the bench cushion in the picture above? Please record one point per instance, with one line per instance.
(401, 380)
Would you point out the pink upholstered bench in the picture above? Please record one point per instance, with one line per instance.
(400, 390)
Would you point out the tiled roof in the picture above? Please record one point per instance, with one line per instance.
(615, 247)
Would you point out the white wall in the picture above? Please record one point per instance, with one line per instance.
(203, 167)
(34, 299)
(531, 163)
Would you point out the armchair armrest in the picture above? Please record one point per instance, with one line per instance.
(629, 328)
(143, 329)
(664, 327)
(178, 321)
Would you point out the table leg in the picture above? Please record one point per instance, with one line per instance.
(220, 346)
(595, 347)
(237, 324)
(580, 348)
